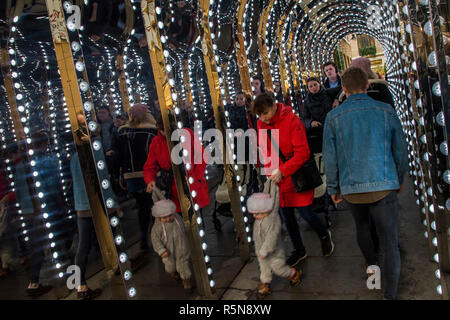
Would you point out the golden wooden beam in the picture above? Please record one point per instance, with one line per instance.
(265, 65)
(241, 54)
(282, 63)
(74, 106)
(293, 65)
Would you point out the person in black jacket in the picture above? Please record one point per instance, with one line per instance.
(130, 153)
(378, 88)
(317, 104)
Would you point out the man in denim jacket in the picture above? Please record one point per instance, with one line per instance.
(365, 158)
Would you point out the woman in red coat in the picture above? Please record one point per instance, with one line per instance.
(159, 158)
(294, 146)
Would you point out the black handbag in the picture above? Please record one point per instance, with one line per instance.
(164, 181)
(305, 178)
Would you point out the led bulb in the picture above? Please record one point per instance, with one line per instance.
(109, 203)
(75, 46)
(119, 240)
(79, 66)
(127, 275)
(437, 89)
(123, 257)
(428, 28)
(92, 125)
(132, 292)
(84, 86)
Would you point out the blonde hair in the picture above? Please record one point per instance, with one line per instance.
(137, 120)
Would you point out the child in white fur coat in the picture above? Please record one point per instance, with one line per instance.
(170, 241)
(267, 238)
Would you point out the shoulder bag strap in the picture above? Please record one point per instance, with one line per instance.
(282, 157)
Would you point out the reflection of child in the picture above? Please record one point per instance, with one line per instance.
(170, 242)
(266, 234)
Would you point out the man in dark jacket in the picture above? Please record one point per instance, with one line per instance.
(333, 79)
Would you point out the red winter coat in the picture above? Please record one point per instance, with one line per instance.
(294, 146)
(159, 157)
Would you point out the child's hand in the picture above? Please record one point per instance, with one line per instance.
(165, 254)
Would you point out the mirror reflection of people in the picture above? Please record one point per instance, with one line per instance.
(258, 85)
(169, 240)
(47, 167)
(99, 14)
(278, 92)
(130, 153)
(107, 127)
(159, 160)
(86, 231)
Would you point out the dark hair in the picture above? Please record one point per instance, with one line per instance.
(354, 79)
(103, 107)
(39, 139)
(331, 63)
(160, 123)
(262, 102)
(312, 79)
(261, 79)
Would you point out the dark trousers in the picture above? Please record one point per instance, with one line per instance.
(38, 242)
(62, 230)
(290, 221)
(144, 203)
(85, 231)
(384, 215)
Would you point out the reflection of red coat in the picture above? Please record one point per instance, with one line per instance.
(294, 146)
(159, 157)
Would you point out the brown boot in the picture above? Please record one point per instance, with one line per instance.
(263, 290)
(294, 280)
(187, 285)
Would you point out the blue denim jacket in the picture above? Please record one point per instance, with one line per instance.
(364, 148)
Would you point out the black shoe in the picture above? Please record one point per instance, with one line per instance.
(295, 258)
(89, 294)
(39, 291)
(327, 245)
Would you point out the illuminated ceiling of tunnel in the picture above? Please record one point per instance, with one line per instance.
(282, 40)
(318, 26)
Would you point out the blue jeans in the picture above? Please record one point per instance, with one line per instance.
(384, 215)
(290, 221)
(85, 231)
